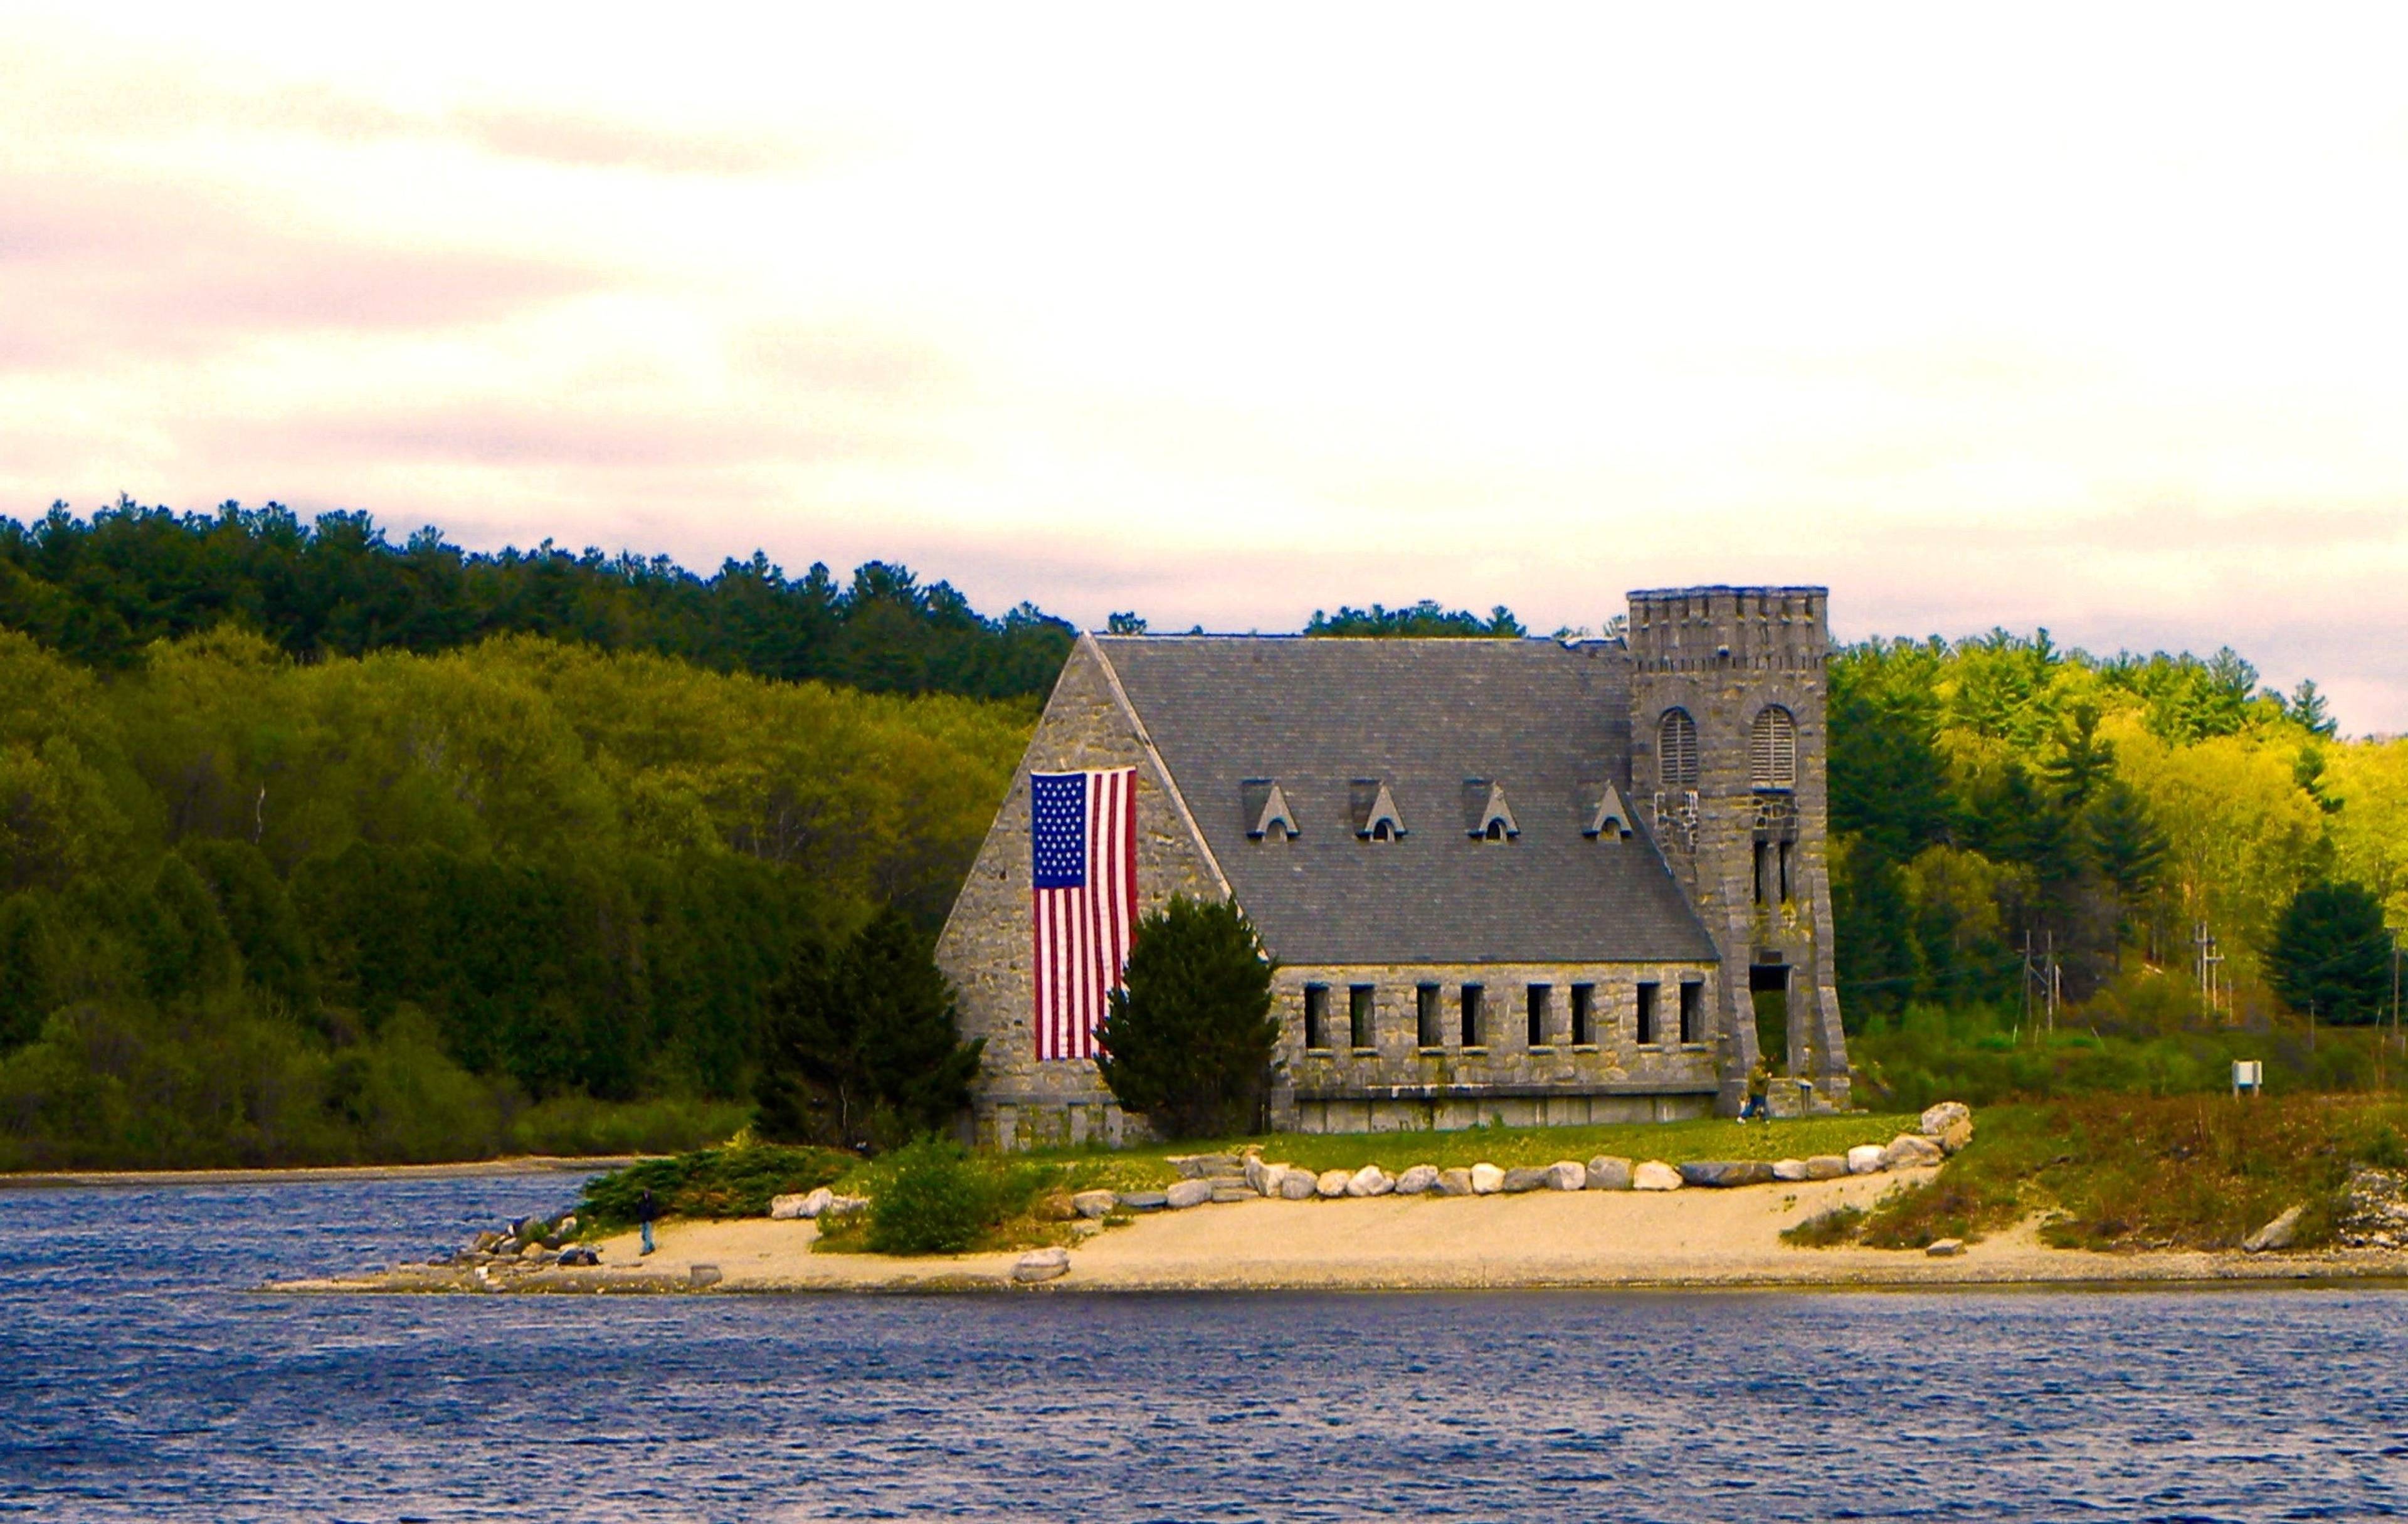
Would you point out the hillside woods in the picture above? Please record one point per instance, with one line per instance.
(315, 848)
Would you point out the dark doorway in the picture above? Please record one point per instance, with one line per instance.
(1768, 987)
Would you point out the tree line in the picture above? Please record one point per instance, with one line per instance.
(102, 589)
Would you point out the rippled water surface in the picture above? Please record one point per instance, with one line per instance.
(142, 1376)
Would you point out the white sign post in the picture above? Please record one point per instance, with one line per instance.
(2248, 1074)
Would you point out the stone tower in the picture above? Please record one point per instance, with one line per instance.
(1729, 738)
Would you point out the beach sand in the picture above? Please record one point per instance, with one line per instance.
(1602, 1239)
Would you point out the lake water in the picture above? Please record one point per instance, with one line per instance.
(142, 1375)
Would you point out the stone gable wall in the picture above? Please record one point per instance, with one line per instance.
(986, 949)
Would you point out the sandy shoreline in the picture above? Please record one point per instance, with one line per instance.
(522, 1164)
(1674, 1240)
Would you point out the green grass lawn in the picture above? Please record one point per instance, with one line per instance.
(1674, 1142)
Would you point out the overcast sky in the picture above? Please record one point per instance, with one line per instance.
(2094, 317)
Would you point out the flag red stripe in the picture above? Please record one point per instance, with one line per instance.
(1081, 934)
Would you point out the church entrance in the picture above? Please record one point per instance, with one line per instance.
(1768, 987)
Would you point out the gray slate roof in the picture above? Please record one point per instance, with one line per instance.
(1549, 724)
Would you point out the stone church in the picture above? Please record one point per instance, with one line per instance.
(1546, 882)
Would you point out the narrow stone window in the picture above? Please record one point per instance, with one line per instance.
(1676, 749)
(1471, 1033)
(1583, 1016)
(1316, 1017)
(1428, 1031)
(1772, 748)
(1693, 1011)
(1648, 990)
(1540, 1000)
(1359, 1015)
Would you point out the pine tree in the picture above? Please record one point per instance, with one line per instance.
(28, 964)
(1190, 1037)
(2331, 954)
(863, 1046)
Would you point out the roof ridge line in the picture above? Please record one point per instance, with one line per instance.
(1153, 754)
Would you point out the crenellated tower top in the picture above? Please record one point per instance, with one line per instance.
(1709, 629)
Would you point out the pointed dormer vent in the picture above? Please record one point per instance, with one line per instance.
(1486, 817)
(1611, 820)
(1267, 816)
(1375, 811)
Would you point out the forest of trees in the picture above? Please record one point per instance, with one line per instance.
(317, 847)
(101, 590)
(412, 906)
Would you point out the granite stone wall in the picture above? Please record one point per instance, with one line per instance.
(1723, 654)
(988, 941)
(1398, 1082)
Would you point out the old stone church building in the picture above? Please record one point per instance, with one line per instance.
(1541, 881)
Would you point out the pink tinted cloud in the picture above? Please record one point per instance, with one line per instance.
(97, 268)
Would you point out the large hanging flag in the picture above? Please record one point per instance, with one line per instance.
(1083, 838)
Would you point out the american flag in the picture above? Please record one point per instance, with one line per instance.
(1083, 838)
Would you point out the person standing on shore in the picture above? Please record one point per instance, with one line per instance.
(1760, 1085)
(645, 1211)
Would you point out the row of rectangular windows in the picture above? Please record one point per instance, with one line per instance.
(1471, 1009)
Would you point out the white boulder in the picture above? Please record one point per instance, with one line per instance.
(816, 1204)
(1298, 1184)
(1185, 1193)
(1866, 1159)
(786, 1209)
(1909, 1150)
(1332, 1184)
(1937, 1119)
(1609, 1171)
(1486, 1179)
(1043, 1264)
(1655, 1175)
(1567, 1174)
(1416, 1179)
(1371, 1180)
(1789, 1168)
(1093, 1204)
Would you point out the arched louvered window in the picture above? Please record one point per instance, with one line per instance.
(1772, 750)
(1676, 749)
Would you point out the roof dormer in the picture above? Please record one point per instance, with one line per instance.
(1486, 817)
(1610, 819)
(1267, 816)
(1374, 809)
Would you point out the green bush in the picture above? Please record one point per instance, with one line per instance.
(713, 1183)
(1825, 1230)
(934, 1200)
(1190, 1036)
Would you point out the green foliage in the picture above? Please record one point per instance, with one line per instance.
(28, 968)
(2108, 805)
(863, 1046)
(1425, 618)
(102, 590)
(186, 953)
(1189, 1038)
(729, 1182)
(931, 1201)
(2331, 954)
(422, 894)
(2120, 1172)
(1825, 1229)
